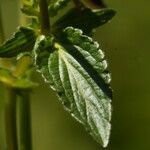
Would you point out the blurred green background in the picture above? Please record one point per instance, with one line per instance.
(126, 42)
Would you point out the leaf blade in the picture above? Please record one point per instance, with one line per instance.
(88, 94)
(22, 41)
(86, 20)
(88, 53)
(78, 90)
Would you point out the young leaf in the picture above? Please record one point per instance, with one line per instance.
(85, 20)
(55, 6)
(75, 66)
(23, 40)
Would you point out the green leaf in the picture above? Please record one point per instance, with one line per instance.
(56, 5)
(85, 20)
(22, 41)
(89, 49)
(75, 66)
(41, 56)
(94, 4)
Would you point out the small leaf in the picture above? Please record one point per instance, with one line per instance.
(56, 5)
(75, 67)
(85, 20)
(22, 41)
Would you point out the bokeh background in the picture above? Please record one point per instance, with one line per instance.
(126, 42)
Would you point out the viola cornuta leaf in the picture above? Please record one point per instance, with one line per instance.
(76, 67)
(56, 5)
(86, 20)
(23, 40)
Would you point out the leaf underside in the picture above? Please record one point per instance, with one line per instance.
(76, 69)
(85, 20)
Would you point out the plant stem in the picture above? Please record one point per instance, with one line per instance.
(10, 119)
(44, 17)
(25, 142)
